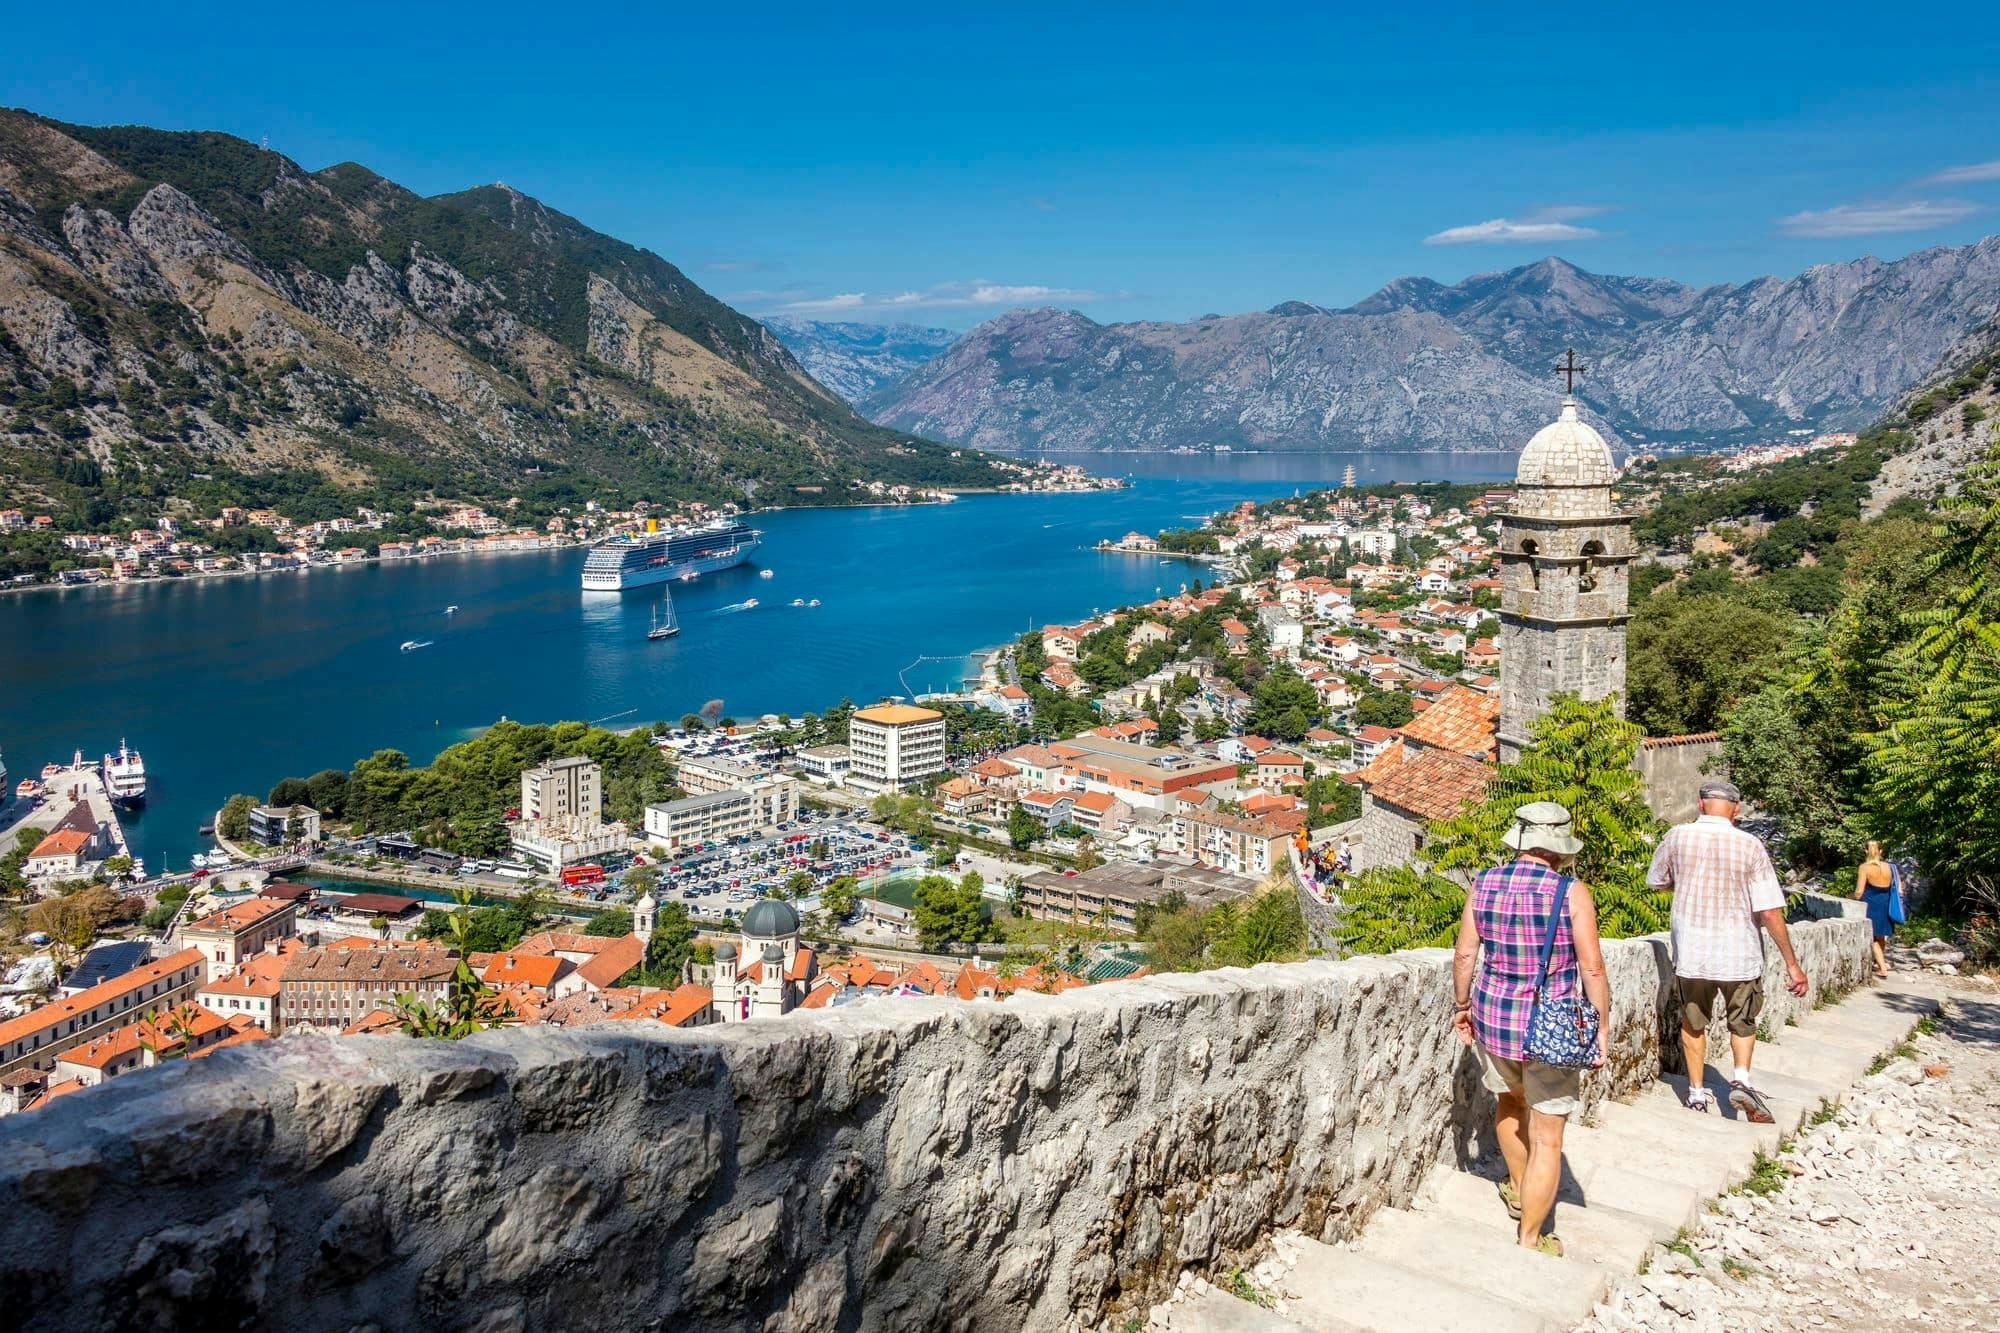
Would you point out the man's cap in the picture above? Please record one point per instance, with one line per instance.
(1715, 789)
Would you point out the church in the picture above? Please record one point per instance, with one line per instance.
(765, 972)
(1566, 552)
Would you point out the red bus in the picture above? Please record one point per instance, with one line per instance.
(588, 873)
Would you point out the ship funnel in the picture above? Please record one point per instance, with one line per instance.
(652, 525)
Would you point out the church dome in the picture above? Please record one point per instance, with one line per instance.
(770, 919)
(725, 951)
(773, 954)
(1567, 452)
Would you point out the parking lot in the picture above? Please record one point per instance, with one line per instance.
(722, 879)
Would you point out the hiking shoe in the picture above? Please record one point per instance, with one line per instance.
(1698, 1101)
(1751, 1103)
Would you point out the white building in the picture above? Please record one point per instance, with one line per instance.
(563, 789)
(714, 816)
(895, 745)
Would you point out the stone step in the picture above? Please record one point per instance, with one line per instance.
(1666, 1205)
(1658, 1114)
(1329, 1288)
(1870, 1034)
(1807, 1061)
(1599, 1234)
(1696, 1161)
(1791, 1098)
(1216, 1311)
(1562, 1290)
(1663, 1100)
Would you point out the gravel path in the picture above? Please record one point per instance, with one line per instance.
(1886, 1216)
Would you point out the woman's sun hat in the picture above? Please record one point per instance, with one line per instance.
(1543, 826)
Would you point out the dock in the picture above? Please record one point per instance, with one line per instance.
(23, 819)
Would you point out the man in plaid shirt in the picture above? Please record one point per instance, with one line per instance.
(1723, 887)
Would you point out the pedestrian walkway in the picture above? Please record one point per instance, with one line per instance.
(1636, 1175)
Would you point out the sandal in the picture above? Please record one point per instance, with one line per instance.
(1550, 1245)
(1510, 1197)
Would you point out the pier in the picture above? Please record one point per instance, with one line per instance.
(61, 790)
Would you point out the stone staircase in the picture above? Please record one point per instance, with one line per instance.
(1635, 1173)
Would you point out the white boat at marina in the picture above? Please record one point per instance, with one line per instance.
(124, 776)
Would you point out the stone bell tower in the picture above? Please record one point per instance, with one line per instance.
(1565, 563)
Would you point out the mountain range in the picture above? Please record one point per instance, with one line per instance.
(187, 314)
(858, 360)
(1423, 365)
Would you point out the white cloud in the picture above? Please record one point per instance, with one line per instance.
(1876, 218)
(1968, 174)
(1556, 222)
(944, 295)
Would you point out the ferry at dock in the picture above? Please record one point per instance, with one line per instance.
(124, 776)
(640, 559)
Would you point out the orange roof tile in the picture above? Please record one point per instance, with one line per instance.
(35, 1020)
(538, 970)
(1431, 784)
(1463, 721)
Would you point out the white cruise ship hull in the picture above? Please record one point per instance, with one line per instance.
(666, 570)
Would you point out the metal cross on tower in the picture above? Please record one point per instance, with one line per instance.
(1569, 370)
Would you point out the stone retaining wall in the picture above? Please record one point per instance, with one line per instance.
(918, 1164)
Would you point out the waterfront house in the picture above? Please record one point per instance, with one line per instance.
(282, 825)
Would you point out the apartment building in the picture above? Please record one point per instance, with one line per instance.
(1236, 844)
(36, 1038)
(895, 745)
(563, 791)
(714, 816)
(329, 988)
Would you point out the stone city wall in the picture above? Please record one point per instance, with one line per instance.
(919, 1164)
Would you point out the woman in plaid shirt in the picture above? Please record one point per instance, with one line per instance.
(1494, 972)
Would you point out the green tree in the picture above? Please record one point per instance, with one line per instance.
(1170, 722)
(612, 922)
(1283, 706)
(1023, 829)
(950, 913)
(1272, 930)
(1693, 658)
(838, 899)
(234, 821)
(1384, 708)
(798, 884)
(671, 947)
(1933, 763)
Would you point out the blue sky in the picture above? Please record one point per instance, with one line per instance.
(933, 164)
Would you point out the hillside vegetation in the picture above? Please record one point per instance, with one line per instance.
(189, 315)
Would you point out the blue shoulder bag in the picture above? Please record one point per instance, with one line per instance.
(1897, 912)
(1562, 1030)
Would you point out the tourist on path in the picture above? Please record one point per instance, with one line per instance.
(1875, 885)
(1724, 887)
(1508, 912)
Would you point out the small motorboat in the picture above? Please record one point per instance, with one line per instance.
(451, 610)
(749, 602)
(411, 645)
(798, 601)
(765, 573)
(813, 602)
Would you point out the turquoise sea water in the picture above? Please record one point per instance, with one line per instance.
(229, 684)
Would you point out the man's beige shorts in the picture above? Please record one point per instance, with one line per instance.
(1547, 1089)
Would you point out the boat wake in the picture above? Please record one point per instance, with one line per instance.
(745, 605)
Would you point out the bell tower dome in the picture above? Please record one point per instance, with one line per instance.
(1565, 563)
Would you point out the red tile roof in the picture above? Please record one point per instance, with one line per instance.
(1430, 784)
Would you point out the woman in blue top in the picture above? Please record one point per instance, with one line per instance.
(1875, 886)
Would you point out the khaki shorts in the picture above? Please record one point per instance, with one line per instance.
(1742, 1002)
(1546, 1089)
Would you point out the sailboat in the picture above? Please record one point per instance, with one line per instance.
(664, 629)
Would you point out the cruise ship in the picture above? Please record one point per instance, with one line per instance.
(124, 776)
(638, 559)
